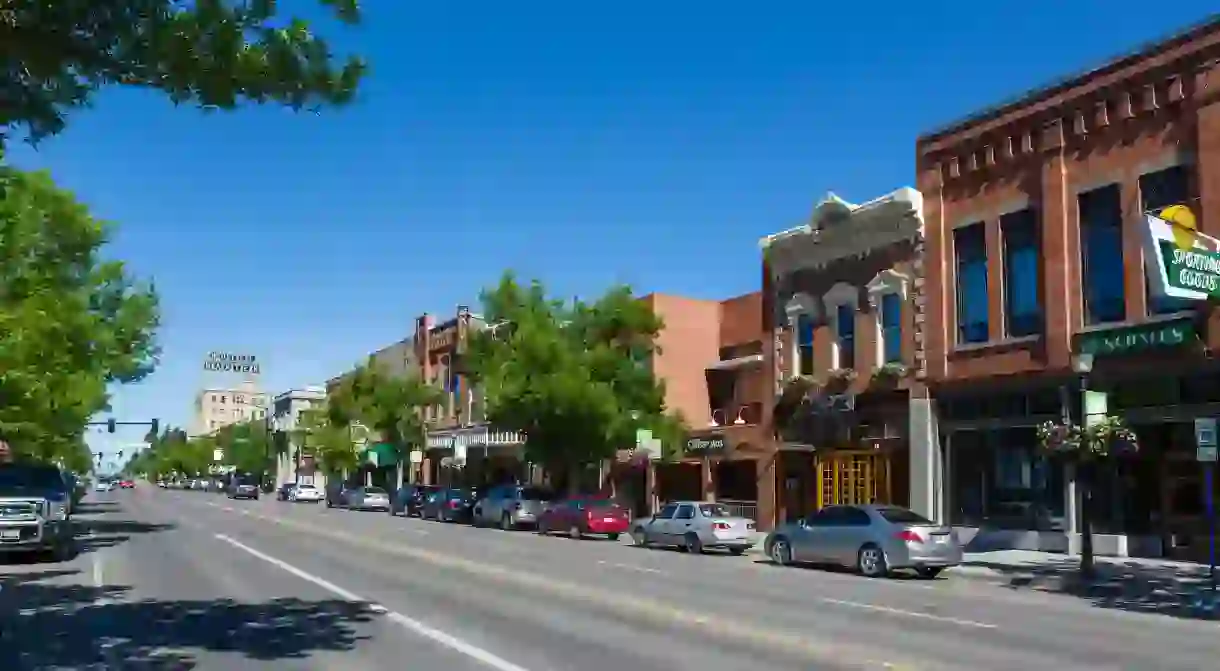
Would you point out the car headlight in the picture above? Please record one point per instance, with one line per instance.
(59, 510)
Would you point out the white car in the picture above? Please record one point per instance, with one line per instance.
(103, 487)
(305, 494)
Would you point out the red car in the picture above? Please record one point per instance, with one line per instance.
(585, 516)
(127, 484)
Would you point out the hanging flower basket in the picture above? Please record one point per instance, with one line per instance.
(840, 379)
(889, 374)
(1108, 437)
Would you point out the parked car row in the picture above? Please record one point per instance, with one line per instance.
(875, 540)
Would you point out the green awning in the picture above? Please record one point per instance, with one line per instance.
(379, 454)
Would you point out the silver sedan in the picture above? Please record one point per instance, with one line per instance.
(367, 498)
(873, 539)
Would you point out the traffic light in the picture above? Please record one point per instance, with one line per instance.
(120, 454)
(155, 428)
(99, 456)
(110, 425)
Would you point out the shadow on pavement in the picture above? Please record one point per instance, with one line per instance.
(96, 533)
(1177, 591)
(66, 627)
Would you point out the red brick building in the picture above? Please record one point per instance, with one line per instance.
(1034, 271)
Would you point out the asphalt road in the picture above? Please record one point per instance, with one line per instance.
(182, 580)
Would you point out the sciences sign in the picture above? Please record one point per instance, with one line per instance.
(1182, 262)
(226, 362)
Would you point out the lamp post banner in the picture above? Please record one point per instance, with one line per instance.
(1184, 263)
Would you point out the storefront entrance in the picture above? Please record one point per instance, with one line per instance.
(853, 478)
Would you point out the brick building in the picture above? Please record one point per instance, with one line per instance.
(1034, 276)
(838, 294)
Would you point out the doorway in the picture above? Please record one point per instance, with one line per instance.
(853, 478)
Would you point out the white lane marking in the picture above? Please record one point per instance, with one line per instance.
(454, 643)
(629, 567)
(99, 574)
(911, 613)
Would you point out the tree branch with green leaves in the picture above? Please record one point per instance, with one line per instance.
(211, 53)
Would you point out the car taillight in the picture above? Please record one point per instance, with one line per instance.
(454, 504)
(909, 536)
(721, 526)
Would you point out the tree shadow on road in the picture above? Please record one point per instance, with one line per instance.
(96, 533)
(59, 626)
(1182, 591)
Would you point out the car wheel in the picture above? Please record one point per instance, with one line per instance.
(737, 552)
(929, 572)
(612, 537)
(693, 544)
(574, 533)
(543, 529)
(64, 551)
(639, 538)
(781, 552)
(870, 562)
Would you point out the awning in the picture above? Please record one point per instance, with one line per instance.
(379, 454)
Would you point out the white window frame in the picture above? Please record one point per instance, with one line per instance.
(841, 294)
(885, 283)
(800, 305)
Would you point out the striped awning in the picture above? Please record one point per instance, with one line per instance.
(472, 436)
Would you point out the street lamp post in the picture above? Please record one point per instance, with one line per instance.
(1082, 365)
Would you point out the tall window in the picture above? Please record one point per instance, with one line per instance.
(845, 334)
(891, 328)
(1022, 304)
(970, 247)
(1159, 190)
(804, 344)
(1101, 255)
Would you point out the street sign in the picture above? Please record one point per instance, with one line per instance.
(1205, 439)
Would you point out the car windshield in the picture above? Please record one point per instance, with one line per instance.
(715, 510)
(903, 516)
(305, 487)
(374, 490)
(599, 503)
(29, 475)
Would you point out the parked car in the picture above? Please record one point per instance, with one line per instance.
(511, 506)
(336, 494)
(35, 512)
(409, 499)
(284, 493)
(366, 498)
(241, 488)
(873, 539)
(127, 484)
(584, 516)
(695, 526)
(449, 505)
(306, 494)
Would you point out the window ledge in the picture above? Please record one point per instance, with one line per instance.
(996, 344)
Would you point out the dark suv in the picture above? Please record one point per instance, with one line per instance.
(409, 499)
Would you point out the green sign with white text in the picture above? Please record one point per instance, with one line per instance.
(1181, 261)
(1138, 338)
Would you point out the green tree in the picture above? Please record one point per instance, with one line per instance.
(330, 443)
(247, 446)
(574, 377)
(73, 322)
(211, 53)
(391, 406)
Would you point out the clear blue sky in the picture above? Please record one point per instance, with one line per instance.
(647, 142)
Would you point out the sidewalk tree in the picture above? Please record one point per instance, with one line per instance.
(572, 376)
(330, 443)
(391, 406)
(213, 53)
(1086, 449)
(247, 446)
(73, 322)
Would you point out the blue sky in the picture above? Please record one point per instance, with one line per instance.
(649, 143)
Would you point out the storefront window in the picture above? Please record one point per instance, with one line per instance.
(1000, 480)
